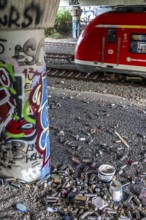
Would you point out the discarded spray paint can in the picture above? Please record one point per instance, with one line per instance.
(116, 191)
(106, 172)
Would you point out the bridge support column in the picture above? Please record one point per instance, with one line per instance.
(75, 13)
(24, 124)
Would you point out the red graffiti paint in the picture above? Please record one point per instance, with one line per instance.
(4, 79)
(20, 129)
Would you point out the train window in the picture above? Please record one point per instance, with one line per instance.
(111, 35)
(138, 43)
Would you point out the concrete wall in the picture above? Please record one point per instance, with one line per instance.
(105, 2)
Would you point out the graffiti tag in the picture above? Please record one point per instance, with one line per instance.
(31, 14)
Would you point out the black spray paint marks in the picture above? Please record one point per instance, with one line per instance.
(3, 4)
(2, 47)
(12, 17)
(29, 53)
(27, 14)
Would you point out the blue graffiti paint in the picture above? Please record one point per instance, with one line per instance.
(45, 138)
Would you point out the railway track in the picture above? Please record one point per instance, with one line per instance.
(94, 77)
(56, 57)
(61, 65)
(61, 44)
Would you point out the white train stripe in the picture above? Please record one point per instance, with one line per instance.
(120, 26)
(114, 66)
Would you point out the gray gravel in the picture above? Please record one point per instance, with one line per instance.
(78, 113)
(136, 93)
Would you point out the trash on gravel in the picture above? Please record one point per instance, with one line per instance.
(20, 207)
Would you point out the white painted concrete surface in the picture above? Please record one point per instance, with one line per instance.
(105, 2)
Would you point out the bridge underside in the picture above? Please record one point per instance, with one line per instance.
(104, 2)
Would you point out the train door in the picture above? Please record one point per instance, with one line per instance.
(110, 46)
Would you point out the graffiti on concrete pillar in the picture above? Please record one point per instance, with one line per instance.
(12, 17)
(23, 119)
(10, 154)
(29, 52)
(90, 12)
(24, 132)
(25, 112)
(73, 2)
(2, 47)
(3, 4)
(7, 92)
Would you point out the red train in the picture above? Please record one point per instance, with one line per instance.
(114, 41)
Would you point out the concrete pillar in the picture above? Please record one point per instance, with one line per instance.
(75, 13)
(24, 124)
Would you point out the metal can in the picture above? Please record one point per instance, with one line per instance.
(116, 191)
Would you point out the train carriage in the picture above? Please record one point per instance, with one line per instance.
(114, 41)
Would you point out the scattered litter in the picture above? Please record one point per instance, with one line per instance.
(123, 218)
(52, 209)
(80, 201)
(82, 139)
(142, 195)
(21, 207)
(99, 203)
(106, 183)
(85, 214)
(106, 172)
(116, 191)
(67, 217)
(120, 137)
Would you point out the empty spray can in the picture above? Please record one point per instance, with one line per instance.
(116, 191)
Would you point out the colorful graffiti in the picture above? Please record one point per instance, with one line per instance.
(24, 130)
(40, 98)
(73, 2)
(25, 119)
(90, 12)
(7, 92)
